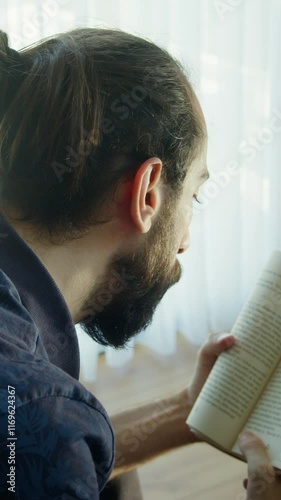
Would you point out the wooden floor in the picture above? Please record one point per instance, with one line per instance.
(196, 471)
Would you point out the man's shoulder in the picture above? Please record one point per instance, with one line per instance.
(9, 295)
(17, 327)
(60, 433)
(60, 445)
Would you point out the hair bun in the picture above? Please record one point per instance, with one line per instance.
(6, 53)
(12, 72)
(4, 43)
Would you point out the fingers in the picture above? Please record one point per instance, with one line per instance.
(223, 341)
(206, 358)
(216, 344)
(256, 455)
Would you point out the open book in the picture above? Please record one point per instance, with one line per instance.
(243, 390)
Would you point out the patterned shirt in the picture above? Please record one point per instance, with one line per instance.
(56, 439)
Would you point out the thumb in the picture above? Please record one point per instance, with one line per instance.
(256, 455)
(215, 344)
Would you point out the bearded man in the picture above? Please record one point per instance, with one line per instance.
(102, 154)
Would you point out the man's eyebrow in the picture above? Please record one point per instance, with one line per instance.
(205, 175)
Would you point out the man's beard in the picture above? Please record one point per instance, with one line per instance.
(123, 304)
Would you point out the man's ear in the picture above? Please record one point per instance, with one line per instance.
(146, 193)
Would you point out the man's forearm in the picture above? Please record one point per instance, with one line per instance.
(150, 430)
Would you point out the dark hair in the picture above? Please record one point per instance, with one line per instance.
(81, 110)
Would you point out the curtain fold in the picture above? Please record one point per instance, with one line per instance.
(232, 51)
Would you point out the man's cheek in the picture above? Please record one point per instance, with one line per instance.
(188, 209)
(187, 218)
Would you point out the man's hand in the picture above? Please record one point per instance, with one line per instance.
(154, 428)
(206, 358)
(263, 482)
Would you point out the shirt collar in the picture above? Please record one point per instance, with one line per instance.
(42, 298)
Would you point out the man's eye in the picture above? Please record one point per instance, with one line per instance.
(196, 198)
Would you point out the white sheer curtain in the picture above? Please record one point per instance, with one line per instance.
(232, 49)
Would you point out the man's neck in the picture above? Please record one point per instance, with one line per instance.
(75, 265)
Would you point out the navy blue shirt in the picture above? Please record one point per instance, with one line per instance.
(56, 440)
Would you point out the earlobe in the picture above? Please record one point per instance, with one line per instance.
(146, 194)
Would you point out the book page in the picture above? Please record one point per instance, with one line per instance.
(240, 375)
(265, 420)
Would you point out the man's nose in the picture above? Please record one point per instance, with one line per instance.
(184, 244)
